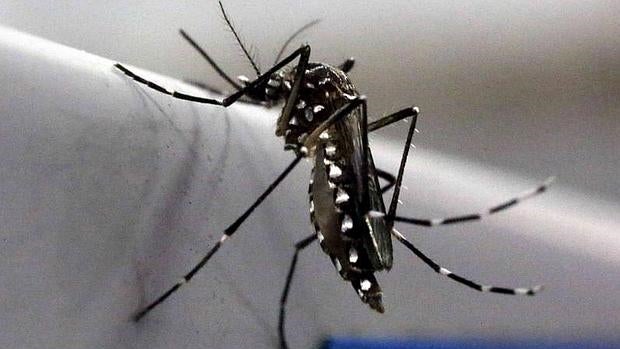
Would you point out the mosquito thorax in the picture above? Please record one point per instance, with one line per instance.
(323, 90)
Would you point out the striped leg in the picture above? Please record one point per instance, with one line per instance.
(226, 234)
(303, 52)
(478, 216)
(287, 286)
(469, 283)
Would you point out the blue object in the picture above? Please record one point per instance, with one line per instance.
(383, 343)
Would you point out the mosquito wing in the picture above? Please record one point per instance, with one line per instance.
(377, 241)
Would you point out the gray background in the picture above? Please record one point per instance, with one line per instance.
(510, 93)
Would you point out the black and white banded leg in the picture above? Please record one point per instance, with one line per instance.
(464, 281)
(303, 53)
(478, 216)
(228, 232)
(287, 286)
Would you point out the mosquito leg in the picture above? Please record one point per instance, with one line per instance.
(404, 113)
(347, 65)
(364, 165)
(209, 60)
(229, 231)
(303, 51)
(289, 278)
(401, 169)
(292, 98)
(392, 118)
(387, 177)
(478, 216)
(469, 283)
(385, 121)
(217, 91)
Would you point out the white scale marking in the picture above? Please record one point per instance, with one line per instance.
(318, 108)
(338, 265)
(334, 171)
(365, 285)
(444, 271)
(376, 214)
(330, 150)
(342, 196)
(320, 236)
(324, 135)
(347, 223)
(353, 257)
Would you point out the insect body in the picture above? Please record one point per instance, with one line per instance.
(325, 118)
(341, 194)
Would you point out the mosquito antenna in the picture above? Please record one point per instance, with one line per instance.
(209, 59)
(245, 51)
(292, 37)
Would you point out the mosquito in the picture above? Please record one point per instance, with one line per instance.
(324, 118)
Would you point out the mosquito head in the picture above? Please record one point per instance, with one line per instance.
(276, 87)
(322, 91)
